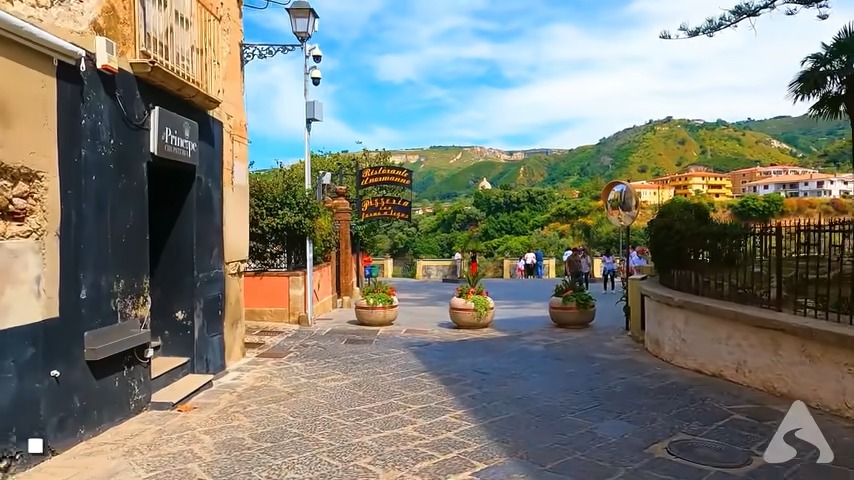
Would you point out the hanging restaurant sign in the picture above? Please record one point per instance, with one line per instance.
(394, 208)
(387, 175)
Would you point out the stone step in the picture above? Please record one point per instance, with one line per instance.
(179, 392)
(162, 365)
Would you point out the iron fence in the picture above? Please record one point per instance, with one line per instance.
(287, 256)
(800, 267)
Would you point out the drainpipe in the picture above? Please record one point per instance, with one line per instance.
(34, 37)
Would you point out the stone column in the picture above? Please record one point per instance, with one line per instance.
(341, 214)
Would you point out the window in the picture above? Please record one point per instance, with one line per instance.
(765, 187)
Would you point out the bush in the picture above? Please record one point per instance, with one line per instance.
(684, 236)
(758, 208)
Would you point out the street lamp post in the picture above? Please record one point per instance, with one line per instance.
(303, 24)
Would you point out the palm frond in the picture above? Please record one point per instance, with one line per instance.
(825, 77)
(828, 107)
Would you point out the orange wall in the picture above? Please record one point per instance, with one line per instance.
(323, 282)
(267, 289)
(272, 289)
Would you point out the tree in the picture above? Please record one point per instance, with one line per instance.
(746, 11)
(827, 80)
(281, 215)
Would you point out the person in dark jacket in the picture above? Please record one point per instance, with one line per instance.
(539, 255)
(573, 264)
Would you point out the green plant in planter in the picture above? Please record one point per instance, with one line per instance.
(571, 291)
(474, 292)
(379, 294)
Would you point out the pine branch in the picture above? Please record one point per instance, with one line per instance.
(746, 11)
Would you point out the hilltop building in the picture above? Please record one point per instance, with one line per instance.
(484, 185)
(743, 176)
(698, 180)
(652, 193)
(124, 200)
(810, 185)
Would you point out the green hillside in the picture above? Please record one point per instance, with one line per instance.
(665, 147)
(638, 153)
(806, 134)
(836, 156)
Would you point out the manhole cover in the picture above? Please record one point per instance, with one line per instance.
(358, 341)
(268, 333)
(708, 453)
(274, 354)
(253, 345)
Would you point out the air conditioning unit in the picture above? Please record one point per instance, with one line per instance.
(105, 55)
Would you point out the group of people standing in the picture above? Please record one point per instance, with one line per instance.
(577, 265)
(458, 261)
(530, 265)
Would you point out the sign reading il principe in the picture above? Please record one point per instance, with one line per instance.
(388, 175)
(394, 208)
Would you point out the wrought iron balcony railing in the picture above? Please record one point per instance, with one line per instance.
(179, 47)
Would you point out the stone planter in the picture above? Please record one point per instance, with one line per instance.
(376, 316)
(568, 315)
(463, 315)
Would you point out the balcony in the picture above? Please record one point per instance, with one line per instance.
(178, 46)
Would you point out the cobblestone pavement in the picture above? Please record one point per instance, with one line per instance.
(520, 401)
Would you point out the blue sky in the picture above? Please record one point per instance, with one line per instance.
(514, 74)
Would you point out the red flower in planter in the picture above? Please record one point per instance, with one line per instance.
(486, 293)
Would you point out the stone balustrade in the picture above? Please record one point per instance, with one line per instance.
(439, 268)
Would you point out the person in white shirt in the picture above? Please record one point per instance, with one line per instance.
(635, 260)
(458, 262)
(530, 264)
(609, 270)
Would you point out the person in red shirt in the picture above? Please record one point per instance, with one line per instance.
(367, 261)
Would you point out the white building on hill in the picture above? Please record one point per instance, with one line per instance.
(812, 185)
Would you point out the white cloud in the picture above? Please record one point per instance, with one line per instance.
(566, 79)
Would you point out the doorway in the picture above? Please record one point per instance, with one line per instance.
(171, 248)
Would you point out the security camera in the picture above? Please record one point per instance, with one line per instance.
(316, 54)
(315, 76)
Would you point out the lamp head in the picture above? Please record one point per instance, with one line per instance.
(303, 20)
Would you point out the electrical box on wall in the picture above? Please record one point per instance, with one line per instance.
(105, 55)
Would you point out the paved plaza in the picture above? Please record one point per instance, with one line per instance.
(523, 400)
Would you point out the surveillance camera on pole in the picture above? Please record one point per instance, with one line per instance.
(315, 54)
(315, 76)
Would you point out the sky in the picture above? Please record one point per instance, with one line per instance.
(515, 74)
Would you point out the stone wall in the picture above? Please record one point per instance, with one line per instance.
(793, 357)
(22, 203)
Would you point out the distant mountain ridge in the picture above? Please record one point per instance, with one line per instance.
(641, 152)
